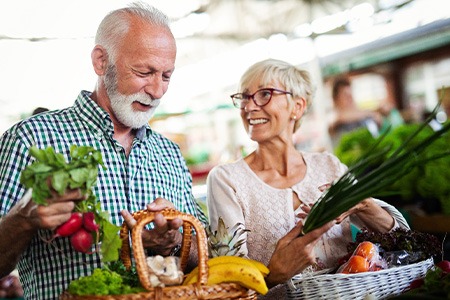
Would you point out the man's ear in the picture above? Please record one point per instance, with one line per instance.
(99, 60)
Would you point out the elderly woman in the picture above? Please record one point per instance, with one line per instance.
(271, 190)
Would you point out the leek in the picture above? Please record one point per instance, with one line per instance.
(371, 175)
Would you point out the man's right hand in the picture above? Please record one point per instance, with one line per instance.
(58, 210)
(10, 287)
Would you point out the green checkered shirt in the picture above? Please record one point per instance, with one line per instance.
(154, 168)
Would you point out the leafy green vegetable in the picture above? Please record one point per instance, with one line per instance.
(51, 171)
(424, 245)
(373, 173)
(129, 276)
(102, 282)
(428, 181)
(435, 285)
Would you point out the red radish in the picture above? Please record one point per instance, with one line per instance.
(82, 240)
(89, 222)
(444, 265)
(70, 226)
(416, 283)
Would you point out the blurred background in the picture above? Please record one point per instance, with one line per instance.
(395, 52)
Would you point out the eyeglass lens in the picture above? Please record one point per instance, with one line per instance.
(261, 98)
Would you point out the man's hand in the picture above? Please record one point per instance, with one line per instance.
(165, 235)
(10, 287)
(49, 216)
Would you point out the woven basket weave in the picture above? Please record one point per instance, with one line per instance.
(198, 290)
(379, 284)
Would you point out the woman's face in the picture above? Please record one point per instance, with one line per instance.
(271, 121)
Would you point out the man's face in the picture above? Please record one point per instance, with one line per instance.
(145, 61)
(122, 105)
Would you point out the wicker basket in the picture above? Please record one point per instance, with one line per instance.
(198, 290)
(380, 284)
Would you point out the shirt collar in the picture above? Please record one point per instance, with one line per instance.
(99, 120)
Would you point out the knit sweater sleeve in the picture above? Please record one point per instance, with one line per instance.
(222, 201)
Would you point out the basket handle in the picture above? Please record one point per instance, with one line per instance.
(143, 217)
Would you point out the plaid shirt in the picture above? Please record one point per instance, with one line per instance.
(154, 168)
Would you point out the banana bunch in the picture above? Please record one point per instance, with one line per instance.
(246, 272)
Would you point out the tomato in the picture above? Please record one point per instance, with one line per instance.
(368, 250)
(356, 264)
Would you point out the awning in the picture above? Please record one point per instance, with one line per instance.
(427, 37)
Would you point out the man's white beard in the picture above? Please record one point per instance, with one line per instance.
(122, 104)
(123, 110)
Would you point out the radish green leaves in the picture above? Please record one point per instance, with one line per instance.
(50, 171)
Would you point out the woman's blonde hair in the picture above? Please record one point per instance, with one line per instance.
(294, 79)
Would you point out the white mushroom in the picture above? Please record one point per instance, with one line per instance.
(156, 265)
(164, 271)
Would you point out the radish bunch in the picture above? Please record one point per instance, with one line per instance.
(80, 228)
(50, 172)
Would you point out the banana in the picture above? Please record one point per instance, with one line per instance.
(246, 275)
(225, 260)
(239, 260)
(238, 270)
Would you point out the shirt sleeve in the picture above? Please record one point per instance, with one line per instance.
(13, 160)
(399, 219)
(222, 202)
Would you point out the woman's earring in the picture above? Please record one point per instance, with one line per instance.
(294, 117)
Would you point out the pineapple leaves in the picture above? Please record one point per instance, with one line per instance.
(222, 243)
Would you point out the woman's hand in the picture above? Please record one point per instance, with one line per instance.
(294, 253)
(373, 216)
(360, 207)
(165, 235)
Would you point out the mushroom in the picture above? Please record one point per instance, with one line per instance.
(164, 271)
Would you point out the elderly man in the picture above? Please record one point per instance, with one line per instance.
(134, 58)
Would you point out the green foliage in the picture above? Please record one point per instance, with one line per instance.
(101, 282)
(51, 171)
(353, 145)
(427, 181)
(436, 285)
(129, 276)
(375, 171)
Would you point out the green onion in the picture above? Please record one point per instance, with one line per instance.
(372, 174)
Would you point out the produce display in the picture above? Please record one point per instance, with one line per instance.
(88, 224)
(229, 274)
(428, 183)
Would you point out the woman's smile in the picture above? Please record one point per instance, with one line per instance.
(257, 121)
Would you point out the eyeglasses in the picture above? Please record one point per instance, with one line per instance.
(260, 97)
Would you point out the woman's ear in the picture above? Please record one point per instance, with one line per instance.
(299, 108)
(99, 59)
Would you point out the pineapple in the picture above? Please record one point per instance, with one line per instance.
(222, 243)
